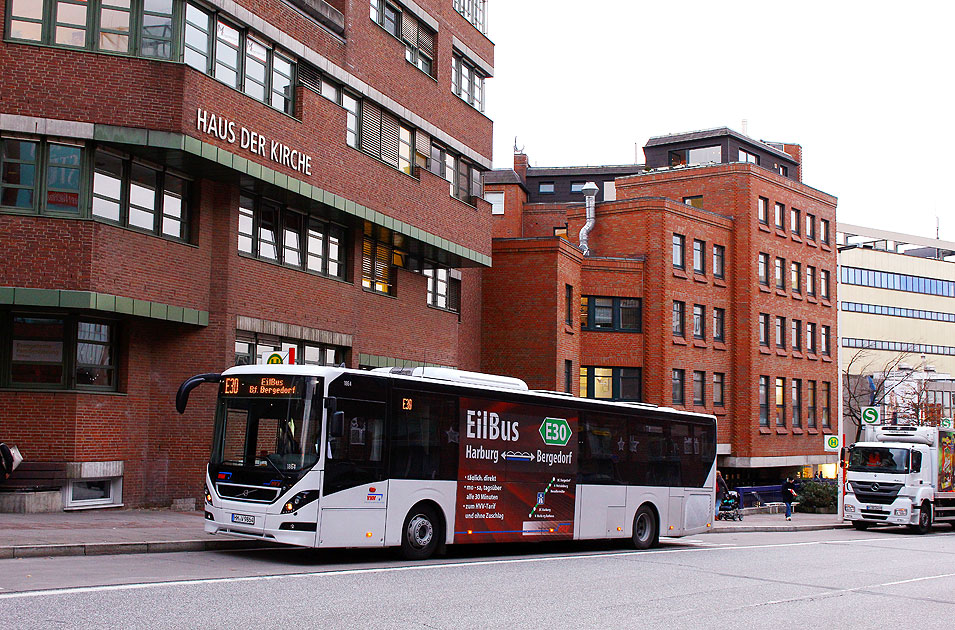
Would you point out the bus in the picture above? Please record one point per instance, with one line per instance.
(426, 457)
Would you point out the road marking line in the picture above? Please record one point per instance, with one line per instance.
(417, 567)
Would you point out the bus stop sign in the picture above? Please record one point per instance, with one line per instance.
(555, 431)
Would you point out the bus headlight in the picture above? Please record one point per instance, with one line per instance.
(208, 496)
(299, 501)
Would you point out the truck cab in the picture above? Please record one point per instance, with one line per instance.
(893, 478)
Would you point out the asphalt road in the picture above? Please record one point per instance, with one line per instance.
(832, 578)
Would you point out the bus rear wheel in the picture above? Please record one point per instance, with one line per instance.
(421, 533)
(646, 533)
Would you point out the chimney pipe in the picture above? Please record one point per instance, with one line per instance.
(590, 194)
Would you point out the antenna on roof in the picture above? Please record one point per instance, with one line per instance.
(745, 127)
(517, 151)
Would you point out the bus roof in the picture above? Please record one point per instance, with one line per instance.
(329, 372)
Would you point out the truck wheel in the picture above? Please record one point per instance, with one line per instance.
(925, 519)
(860, 525)
(421, 533)
(646, 534)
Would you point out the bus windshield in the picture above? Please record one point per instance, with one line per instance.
(879, 459)
(267, 423)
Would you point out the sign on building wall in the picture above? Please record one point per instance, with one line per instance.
(227, 130)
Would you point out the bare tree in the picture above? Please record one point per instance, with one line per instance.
(869, 380)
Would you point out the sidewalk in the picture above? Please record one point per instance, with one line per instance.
(101, 532)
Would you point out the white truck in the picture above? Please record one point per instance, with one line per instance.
(901, 475)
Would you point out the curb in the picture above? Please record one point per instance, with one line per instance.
(105, 549)
(776, 528)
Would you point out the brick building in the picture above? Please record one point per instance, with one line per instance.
(187, 184)
(709, 286)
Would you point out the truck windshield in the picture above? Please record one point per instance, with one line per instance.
(267, 423)
(879, 459)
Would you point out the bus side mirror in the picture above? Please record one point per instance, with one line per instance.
(182, 396)
(336, 427)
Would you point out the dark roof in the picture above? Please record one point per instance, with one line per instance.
(502, 176)
(566, 171)
(716, 133)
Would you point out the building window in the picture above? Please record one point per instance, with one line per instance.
(679, 250)
(780, 402)
(568, 305)
(810, 280)
(561, 231)
(467, 81)
(444, 286)
(474, 11)
(764, 401)
(825, 341)
(254, 349)
(824, 284)
(794, 221)
(780, 332)
(419, 43)
(719, 324)
(699, 388)
(464, 179)
(568, 376)
(750, 158)
(40, 176)
(811, 404)
(826, 416)
(679, 319)
(577, 187)
(381, 257)
(810, 227)
(611, 314)
(796, 277)
(695, 201)
(824, 230)
(795, 330)
(677, 380)
(285, 236)
(545, 188)
(388, 139)
(617, 383)
(782, 170)
(719, 382)
(54, 351)
(810, 338)
(699, 321)
(762, 210)
(796, 395)
(496, 199)
(719, 261)
(764, 329)
(780, 216)
(138, 196)
(763, 267)
(699, 257)
(692, 157)
(781, 273)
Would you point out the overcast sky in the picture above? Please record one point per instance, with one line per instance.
(865, 88)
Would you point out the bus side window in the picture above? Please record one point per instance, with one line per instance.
(424, 436)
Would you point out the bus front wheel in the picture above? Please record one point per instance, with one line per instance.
(421, 533)
(646, 533)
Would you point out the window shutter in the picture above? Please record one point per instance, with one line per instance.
(389, 139)
(383, 266)
(371, 128)
(426, 41)
(454, 295)
(476, 183)
(463, 187)
(409, 28)
(367, 264)
(309, 76)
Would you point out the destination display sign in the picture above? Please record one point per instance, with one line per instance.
(263, 386)
(518, 472)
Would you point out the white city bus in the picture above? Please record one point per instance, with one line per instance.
(425, 457)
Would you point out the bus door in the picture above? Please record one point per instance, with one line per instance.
(354, 488)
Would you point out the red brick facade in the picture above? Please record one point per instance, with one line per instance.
(164, 453)
(631, 256)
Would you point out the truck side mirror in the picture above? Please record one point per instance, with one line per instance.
(916, 461)
(336, 427)
(842, 457)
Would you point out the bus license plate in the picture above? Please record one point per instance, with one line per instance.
(244, 519)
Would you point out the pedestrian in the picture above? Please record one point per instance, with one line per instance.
(789, 494)
(721, 490)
